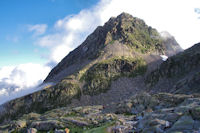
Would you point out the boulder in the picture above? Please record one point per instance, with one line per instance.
(31, 116)
(31, 130)
(153, 125)
(47, 125)
(76, 122)
(172, 117)
(154, 129)
(195, 112)
(59, 131)
(18, 124)
(118, 129)
(185, 123)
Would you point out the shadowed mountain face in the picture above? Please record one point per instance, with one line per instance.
(179, 74)
(118, 60)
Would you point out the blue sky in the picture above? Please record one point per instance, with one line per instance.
(16, 42)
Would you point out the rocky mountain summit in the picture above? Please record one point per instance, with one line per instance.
(124, 35)
(115, 82)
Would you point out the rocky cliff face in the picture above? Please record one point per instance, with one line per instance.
(116, 62)
(179, 73)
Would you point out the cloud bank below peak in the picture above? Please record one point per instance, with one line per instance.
(16, 81)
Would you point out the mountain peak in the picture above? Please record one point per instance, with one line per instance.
(124, 15)
(134, 33)
(124, 19)
(124, 33)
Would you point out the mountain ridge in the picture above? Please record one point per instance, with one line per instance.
(123, 43)
(128, 30)
(116, 75)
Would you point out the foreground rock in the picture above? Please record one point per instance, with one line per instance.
(158, 113)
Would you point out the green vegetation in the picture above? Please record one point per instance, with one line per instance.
(101, 129)
(71, 114)
(111, 42)
(45, 131)
(67, 90)
(98, 78)
(142, 42)
(143, 38)
(76, 129)
(136, 34)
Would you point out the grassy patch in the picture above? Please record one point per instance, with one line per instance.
(101, 129)
(98, 78)
(76, 129)
(143, 42)
(71, 114)
(111, 42)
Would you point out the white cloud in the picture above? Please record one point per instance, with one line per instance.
(49, 40)
(37, 29)
(197, 10)
(16, 81)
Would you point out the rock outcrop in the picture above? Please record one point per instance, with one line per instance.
(179, 74)
(160, 113)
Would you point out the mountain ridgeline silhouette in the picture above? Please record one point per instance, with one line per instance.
(123, 47)
(118, 69)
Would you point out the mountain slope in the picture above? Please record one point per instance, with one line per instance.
(132, 35)
(124, 49)
(179, 74)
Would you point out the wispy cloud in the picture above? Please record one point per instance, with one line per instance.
(18, 80)
(14, 39)
(49, 40)
(197, 10)
(37, 29)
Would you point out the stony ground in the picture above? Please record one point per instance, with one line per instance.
(143, 113)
